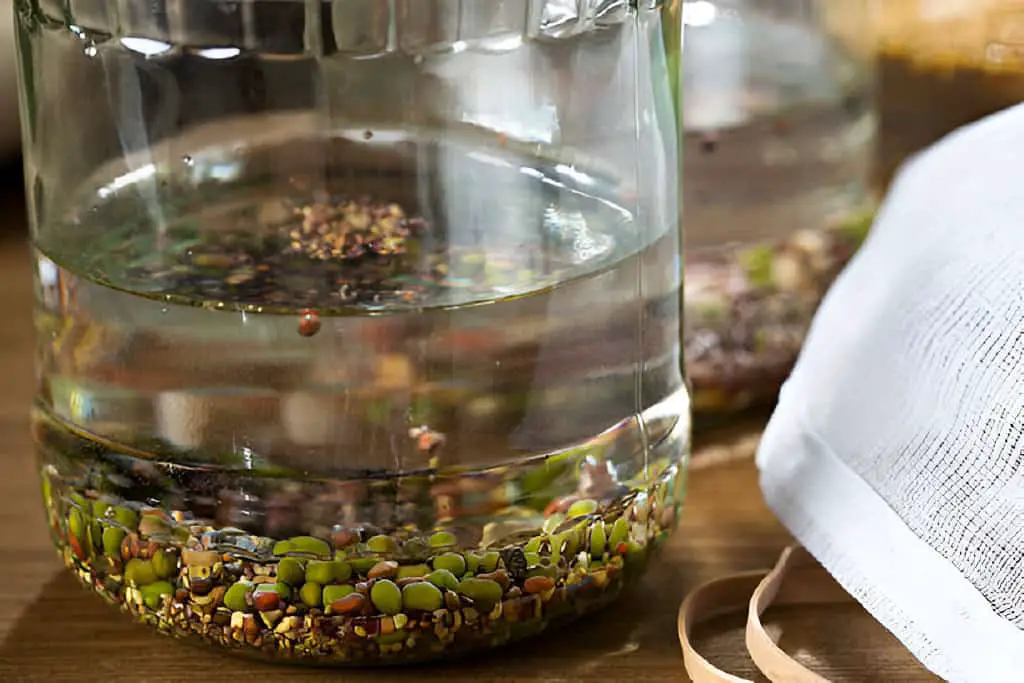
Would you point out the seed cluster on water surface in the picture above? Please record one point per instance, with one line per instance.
(355, 597)
(328, 252)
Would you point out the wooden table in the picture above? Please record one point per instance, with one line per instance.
(51, 630)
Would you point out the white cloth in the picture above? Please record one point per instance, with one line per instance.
(896, 452)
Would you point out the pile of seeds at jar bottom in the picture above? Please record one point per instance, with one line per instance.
(351, 598)
(748, 309)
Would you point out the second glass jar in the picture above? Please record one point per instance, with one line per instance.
(781, 117)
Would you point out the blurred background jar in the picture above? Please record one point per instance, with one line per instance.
(957, 60)
(780, 118)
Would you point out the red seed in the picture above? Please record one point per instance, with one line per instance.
(76, 547)
(383, 570)
(352, 602)
(621, 549)
(560, 505)
(309, 323)
(538, 584)
(266, 601)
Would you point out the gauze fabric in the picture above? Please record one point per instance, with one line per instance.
(896, 452)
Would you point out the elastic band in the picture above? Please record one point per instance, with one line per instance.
(797, 579)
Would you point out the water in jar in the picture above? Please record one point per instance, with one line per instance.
(780, 123)
(355, 394)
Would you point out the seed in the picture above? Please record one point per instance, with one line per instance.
(443, 578)
(303, 545)
(452, 562)
(309, 323)
(126, 517)
(472, 562)
(387, 569)
(76, 523)
(489, 561)
(538, 584)
(515, 561)
(552, 522)
(382, 544)
(332, 594)
(153, 594)
(335, 571)
(499, 575)
(112, 539)
(484, 592)
(620, 532)
(363, 564)
(290, 571)
(386, 597)
(234, 598)
(598, 539)
(311, 594)
(165, 563)
(350, 604)
(582, 508)
(413, 571)
(139, 572)
(422, 596)
(442, 539)
(265, 600)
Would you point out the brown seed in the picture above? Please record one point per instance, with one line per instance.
(500, 576)
(149, 549)
(250, 626)
(130, 546)
(217, 595)
(343, 538)
(266, 601)
(383, 570)
(309, 323)
(538, 584)
(410, 579)
(387, 626)
(349, 604)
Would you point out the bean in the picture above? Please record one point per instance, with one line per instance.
(422, 596)
(386, 596)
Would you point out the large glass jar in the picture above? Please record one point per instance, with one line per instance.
(780, 120)
(359, 335)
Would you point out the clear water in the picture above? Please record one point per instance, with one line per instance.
(511, 348)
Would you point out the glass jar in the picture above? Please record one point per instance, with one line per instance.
(780, 120)
(359, 335)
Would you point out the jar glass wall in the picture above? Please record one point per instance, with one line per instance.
(780, 119)
(359, 334)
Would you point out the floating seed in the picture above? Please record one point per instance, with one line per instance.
(309, 323)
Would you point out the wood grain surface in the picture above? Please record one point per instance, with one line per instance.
(51, 630)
